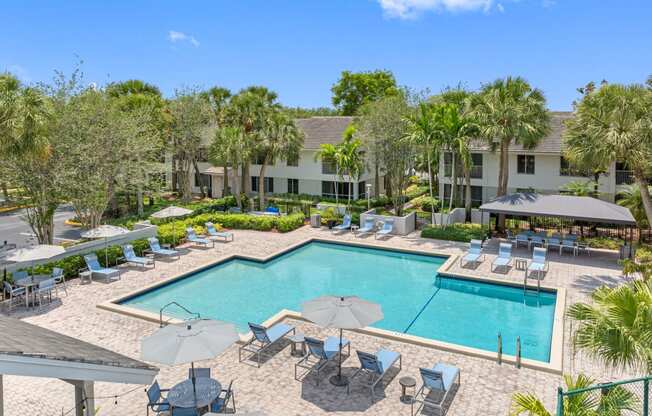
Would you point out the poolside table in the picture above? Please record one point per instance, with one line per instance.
(182, 395)
(29, 283)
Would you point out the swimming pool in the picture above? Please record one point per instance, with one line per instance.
(415, 300)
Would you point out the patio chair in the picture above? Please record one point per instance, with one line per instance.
(59, 280)
(553, 242)
(44, 288)
(346, 224)
(538, 263)
(367, 228)
(222, 402)
(504, 257)
(522, 238)
(273, 210)
(200, 373)
(474, 255)
(438, 381)
(568, 244)
(536, 240)
(376, 366)
(19, 275)
(214, 234)
(511, 237)
(571, 237)
(191, 237)
(235, 210)
(14, 294)
(155, 248)
(386, 229)
(320, 353)
(156, 402)
(93, 266)
(263, 339)
(185, 411)
(131, 258)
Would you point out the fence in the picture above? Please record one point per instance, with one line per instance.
(628, 397)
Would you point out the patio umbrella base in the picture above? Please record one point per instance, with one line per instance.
(339, 380)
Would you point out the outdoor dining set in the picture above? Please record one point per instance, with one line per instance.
(558, 241)
(30, 288)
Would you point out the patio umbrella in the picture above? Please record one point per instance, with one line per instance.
(171, 212)
(187, 342)
(105, 231)
(342, 312)
(35, 253)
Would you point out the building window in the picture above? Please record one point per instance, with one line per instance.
(328, 189)
(448, 164)
(476, 165)
(624, 175)
(476, 195)
(269, 184)
(328, 166)
(293, 161)
(525, 164)
(567, 169)
(293, 186)
(362, 189)
(254, 184)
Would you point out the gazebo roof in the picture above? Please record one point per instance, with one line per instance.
(579, 208)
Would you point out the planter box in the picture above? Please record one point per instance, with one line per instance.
(402, 225)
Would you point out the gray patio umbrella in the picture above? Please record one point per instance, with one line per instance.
(105, 231)
(171, 212)
(187, 342)
(35, 253)
(342, 312)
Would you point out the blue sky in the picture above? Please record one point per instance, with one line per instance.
(299, 47)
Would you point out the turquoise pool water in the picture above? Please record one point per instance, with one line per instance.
(413, 299)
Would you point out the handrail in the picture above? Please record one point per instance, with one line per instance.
(160, 312)
(500, 348)
(518, 352)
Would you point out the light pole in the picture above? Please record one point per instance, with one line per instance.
(368, 186)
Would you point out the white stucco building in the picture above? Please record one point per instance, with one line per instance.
(542, 169)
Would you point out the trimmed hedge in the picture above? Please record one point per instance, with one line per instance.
(455, 232)
(425, 203)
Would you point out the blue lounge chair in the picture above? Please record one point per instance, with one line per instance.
(213, 233)
(437, 381)
(131, 257)
(320, 353)
(367, 228)
(96, 269)
(553, 242)
(504, 257)
(155, 248)
(346, 224)
(263, 339)
(474, 255)
(221, 403)
(536, 240)
(386, 229)
(191, 237)
(538, 263)
(376, 366)
(522, 238)
(569, 244)
(157, 403)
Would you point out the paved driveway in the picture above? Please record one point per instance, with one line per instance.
(14, 229)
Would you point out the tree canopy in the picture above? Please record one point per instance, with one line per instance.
(355, 89)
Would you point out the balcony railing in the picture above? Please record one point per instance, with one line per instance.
(624, 177)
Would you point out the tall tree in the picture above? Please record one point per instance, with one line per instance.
(614, 123)
(218, 100)
(630, 197)
(330, 154)
(510, 111)
(355, 89)
(230, 148)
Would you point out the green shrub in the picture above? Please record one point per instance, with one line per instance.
(425, 203)
(644, 253)
(290, 222)
(456, 232)
(603, 242)
(415, 190)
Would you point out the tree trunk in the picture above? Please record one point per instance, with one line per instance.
(596, 184)
(452, 193)
(350, 190)
(225, 189)
(641, 181)
(186, 188)
(503, 177)
(376, 180)
(335, 177)
(261, 184)
(236, 186)
(245, 188)
(139, 200)
(5, 191)
(432, 206)
(467, 194)
(201, 182)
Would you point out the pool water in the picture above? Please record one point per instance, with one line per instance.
(414, 299)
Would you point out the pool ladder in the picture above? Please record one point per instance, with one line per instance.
(162, 323)
(525, 284)
(518, 350)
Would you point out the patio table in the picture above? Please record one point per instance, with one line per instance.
(29, 283)
(182, 395)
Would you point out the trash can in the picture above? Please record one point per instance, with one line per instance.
(625, 251)
(315, 220)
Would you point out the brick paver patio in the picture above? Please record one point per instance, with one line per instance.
(486, 387)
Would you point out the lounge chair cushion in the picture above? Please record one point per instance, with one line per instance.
(471, 257)
(332, 346)
(535, 266)
(278, 331)
(386, 358)
(502, 261)
(449, 373)
(166, 252)
(105, 271)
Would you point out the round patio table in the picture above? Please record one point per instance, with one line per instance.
(182, 395)
(29, 283)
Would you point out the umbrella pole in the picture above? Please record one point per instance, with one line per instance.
(106, 252)
(194, 381)
(339, 379)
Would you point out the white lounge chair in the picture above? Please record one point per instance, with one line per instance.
(539, 263)
(386, 229)
(131, 257)
(474, 255)
(504, 258)
(346, 224)
(367, 228)
(439, 380)
(214, 234)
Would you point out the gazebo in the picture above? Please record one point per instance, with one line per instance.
(33, 351)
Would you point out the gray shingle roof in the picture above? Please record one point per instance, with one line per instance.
(321, 130)
(24, 339)
(552, 143)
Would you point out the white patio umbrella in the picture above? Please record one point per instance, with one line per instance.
(171, 212)
(35, 253)
(105, 231)
(187, 342)
(342, 312)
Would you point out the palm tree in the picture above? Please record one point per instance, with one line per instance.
(510, 111)
(351, 160)
(229, 148)
(612, 401)
(617, 326)
(279, 139)
(423, 130)
(630, 197)
(578, 188)
(330, 153)
(614, 123)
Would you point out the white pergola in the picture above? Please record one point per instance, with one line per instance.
(32, 351)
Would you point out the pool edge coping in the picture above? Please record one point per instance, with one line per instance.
(555, 364)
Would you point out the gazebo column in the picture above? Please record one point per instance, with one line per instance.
(2, 403)
(84, 397)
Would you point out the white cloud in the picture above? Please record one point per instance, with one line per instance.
(410, 9)
(500, 7)
(174, 37)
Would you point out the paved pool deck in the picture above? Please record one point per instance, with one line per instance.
(486, 387)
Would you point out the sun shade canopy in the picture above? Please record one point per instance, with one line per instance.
(579, 208)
